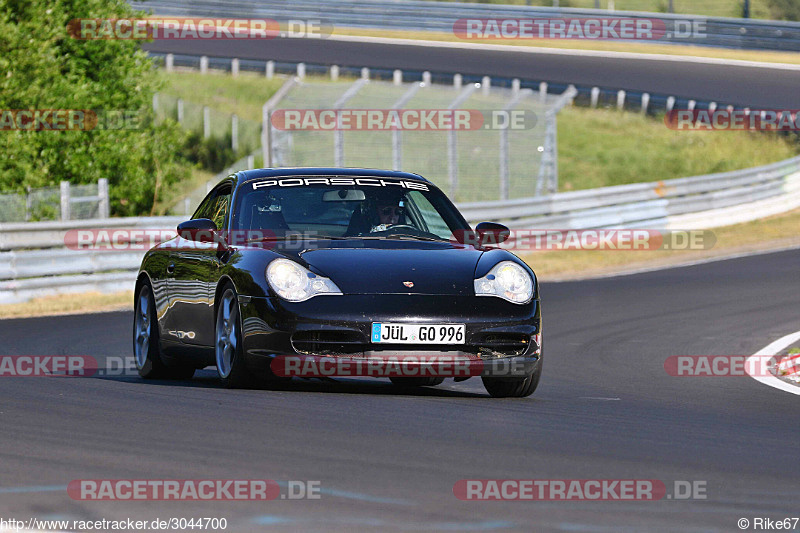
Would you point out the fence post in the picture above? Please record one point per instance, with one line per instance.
(426, 77)
(104, 204)
(251, 161)
(397, 77)
(234, 132)
(28, 205)
(397, 135)
(365, 73)
(169, 62)
(621, 100)
(543, 92)
(180, 111)
(670, 103)
(515, 85)
(458, 80)
(206, 122)
(645, 102)
(204, 65)
(64, 200)
(270, 69)
(548, 167)
(266, 136)
(301, 70)
(452, 141)
(486, 85)
(595, 96)
(334, 72)
(234, 67)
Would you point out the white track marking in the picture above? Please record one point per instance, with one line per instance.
(770, 350)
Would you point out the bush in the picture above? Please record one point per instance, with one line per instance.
(784, 9)
(44, 68)
(211, 154)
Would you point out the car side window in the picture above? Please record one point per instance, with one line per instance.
(215, 206)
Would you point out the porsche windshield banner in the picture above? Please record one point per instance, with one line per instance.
(363, 182)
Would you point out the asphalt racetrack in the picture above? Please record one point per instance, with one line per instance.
(388, 460)
(763, 88)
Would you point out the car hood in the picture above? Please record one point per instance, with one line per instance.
(378, 268)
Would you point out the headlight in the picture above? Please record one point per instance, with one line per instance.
(295, 283)
(507, 280)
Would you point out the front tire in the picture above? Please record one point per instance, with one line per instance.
(147, 343)
(513, 388)
(228, 350)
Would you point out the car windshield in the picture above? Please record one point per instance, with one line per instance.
(346, 207)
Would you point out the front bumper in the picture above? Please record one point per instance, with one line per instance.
(500, 336)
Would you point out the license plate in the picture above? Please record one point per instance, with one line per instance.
(418, 333)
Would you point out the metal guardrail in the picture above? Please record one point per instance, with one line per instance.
(440, 16)
(642, 205)
(34, 260)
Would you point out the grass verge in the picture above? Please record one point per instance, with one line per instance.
(66, 304)
(244, 95)
(603, 147)
(770, 233)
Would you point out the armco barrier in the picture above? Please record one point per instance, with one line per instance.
(34, 261)
(416, 15)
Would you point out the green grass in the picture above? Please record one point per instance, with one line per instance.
(710, 8)
(598, 148)
(244, 95)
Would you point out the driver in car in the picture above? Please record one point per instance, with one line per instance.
(389, 214)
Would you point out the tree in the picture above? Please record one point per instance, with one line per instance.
(43, 67)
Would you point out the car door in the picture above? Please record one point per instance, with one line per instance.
(196, 270)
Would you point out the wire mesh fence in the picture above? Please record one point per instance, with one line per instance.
(497, 155)
(243, 134)
(67, 202)
(506, 150)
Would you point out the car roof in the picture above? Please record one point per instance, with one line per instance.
(249, 175)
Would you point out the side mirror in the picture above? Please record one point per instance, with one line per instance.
(199, 230)
(492, 233)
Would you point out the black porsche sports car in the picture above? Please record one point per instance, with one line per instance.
(340, 263)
